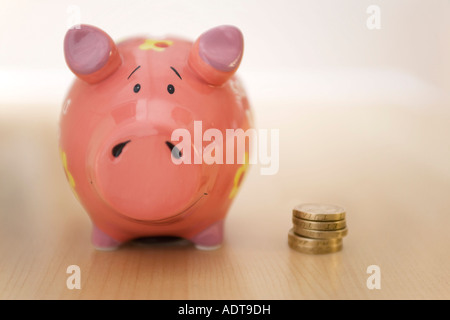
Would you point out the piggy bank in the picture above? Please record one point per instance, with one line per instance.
(135, 123)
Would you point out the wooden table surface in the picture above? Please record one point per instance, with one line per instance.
(388, 166)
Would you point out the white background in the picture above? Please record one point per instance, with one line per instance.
(310, 52)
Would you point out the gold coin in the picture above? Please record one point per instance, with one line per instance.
(317, 250)
(296, 240)
(318, 234)
(313, 246)
(319, 225)
(319, 212)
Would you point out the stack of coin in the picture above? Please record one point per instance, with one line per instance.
(318, 228)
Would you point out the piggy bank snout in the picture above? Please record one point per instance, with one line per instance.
(137, 177)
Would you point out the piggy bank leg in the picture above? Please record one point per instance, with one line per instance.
(102, 241)
(209, 239)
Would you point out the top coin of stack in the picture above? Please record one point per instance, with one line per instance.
(318, 228)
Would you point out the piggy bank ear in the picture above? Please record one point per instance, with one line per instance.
(90, 53)
(217, 53)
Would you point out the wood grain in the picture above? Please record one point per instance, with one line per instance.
(389, 167)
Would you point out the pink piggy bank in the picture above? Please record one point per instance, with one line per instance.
(117, 130)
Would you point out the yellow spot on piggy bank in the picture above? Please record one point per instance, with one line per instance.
(239, 176)
(68, 174)
(157, 45)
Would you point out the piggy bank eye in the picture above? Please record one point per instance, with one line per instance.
(137, 87)
(170, 89)
(176, 153)
(117, 150)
